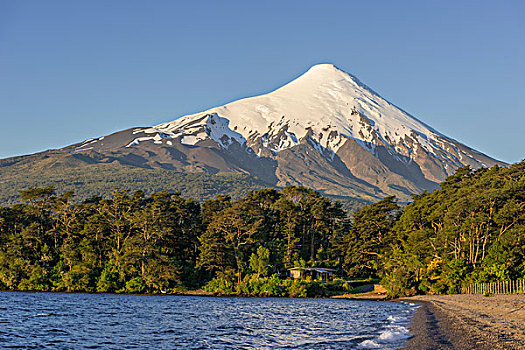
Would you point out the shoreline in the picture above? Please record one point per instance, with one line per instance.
(464, 322)
(203, 293)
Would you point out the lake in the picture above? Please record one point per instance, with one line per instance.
(110, 321)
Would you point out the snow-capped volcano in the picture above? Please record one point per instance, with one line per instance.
(325, 130)
(325, 103)
(327, 107)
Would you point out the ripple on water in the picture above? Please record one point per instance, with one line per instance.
(90, 321)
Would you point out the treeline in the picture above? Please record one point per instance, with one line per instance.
(99, 179)
(129, 242)
(470, 230)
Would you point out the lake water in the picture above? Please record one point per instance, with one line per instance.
(107, 321)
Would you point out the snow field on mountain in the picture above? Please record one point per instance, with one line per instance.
(324, 101)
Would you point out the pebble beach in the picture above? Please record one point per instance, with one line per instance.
(468, 322)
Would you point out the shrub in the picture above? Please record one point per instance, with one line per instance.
(108, 280)
(135, 285)
(222, 284)
(297, 289)
(316, 289)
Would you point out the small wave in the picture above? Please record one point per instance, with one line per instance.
(369, 344)
(414, 305)
(232, 327)
(56, 330)
(396, 319)
(40, 315)
(394, 334)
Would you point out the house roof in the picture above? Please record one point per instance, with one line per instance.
(318, 269)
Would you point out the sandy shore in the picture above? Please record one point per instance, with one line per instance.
(365, 296)
(468, 322)
(196, 292)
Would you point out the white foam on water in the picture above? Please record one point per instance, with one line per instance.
(394, 334)
(396, 318)
(411, 304)
(369, 344)
(40, 315)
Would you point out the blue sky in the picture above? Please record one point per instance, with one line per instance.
(71, 70)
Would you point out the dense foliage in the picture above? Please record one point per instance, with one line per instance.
(472, 229)
(163, 242)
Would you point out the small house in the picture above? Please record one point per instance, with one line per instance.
(315, 273)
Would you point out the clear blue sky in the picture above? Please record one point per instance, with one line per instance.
(71, 70)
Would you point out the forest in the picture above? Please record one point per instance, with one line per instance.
(471, 229)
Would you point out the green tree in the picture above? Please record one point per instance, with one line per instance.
(260, 261)
(370, 237)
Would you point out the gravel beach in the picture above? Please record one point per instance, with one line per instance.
(468, 322)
